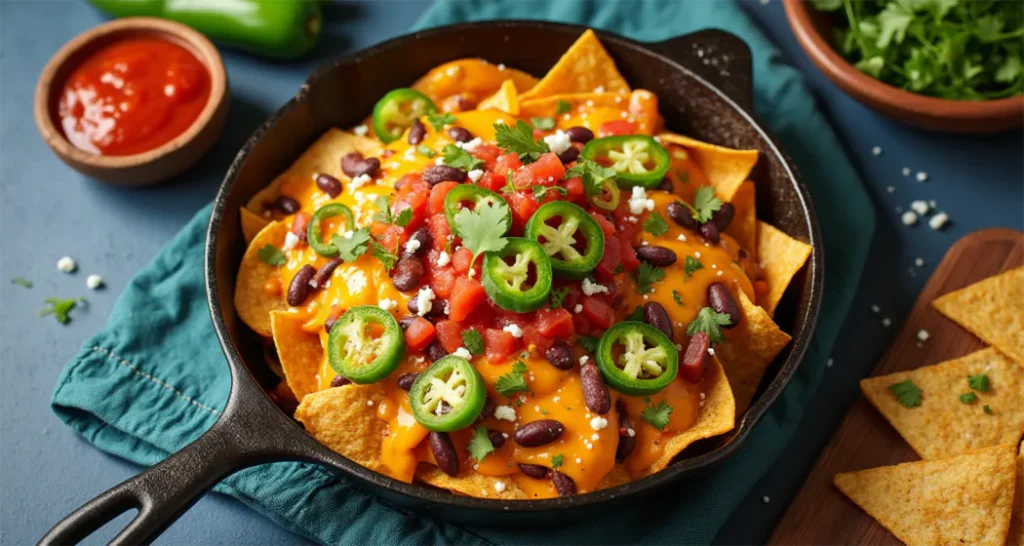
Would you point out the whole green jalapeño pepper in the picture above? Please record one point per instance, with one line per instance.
(638, 160)
(471, 194)
(397, 110)
(636, 359)
(365, 345)
(569, 236)
(313, 231)
(448, 395)
(507, 276)
(281, 29)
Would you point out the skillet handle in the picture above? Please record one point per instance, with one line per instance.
(721, 58)
(161, 494)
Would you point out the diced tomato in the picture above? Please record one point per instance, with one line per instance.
(489, 153)
(411, 182)
(504, 317)
(574, 296)
(499, 345)
(574, 190)
(598, 312)
(419, 333)
(466, 295)
(449, 333)
(554, 323)
(606, 226)
(616, 127)
(481, 318)
(523, 205)
(414, 197)
(299, 224)
(439, 228)
(391, 237)
(493, 182)
(532, 336)
(523, 179)
(626, 252)
(609, 259)
(437, 195)
(506, 163)
(547, 170)
(441, 278)
(461, 259)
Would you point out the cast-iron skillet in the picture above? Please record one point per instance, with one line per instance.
(703, 82)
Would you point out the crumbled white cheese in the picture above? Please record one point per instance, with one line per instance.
(505, 413)
(890, 189)
(356, 282)
(359, 182)
(499, 122)
(919, 262)
(590, 287)
(499, 486)
(765, 499)
(638, 201)
(443, 259)
(412, 245)
(501, 67)
(909, 218)
(938, 221)
(439, 161)
(584, 359)
(875, 308)
(514, 329)
(369, 402)
(711, 351)
(906, 171)
(387, 304)
(921, 176)
(470, 146)
(66, 264)
(94, 281)
(920, 207)
(923, 335)
(577, 308)
(599, 89)
(681, 237)
(877, 150)
(598, 423)
(463, 353)
(886, 321)
(424, 301)
(361, 130)
(558, 142)
(290, 240)
(475, 175)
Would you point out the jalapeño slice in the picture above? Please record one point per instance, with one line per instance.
(313, 236)
(470, 194)
(636, 359)
(448, 395)
(608, 198)
(510, 281)
(395, 112)
(365, 345)
(638, 160)
(569, 236)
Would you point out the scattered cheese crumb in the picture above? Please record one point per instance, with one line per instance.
(463, 353)
(877, 150)
(387, 304)
(369, 402)
(765, 499)
(711, 351)
(829, 363)
(94, 281)
(598, 423)
(577, 308)
(579, 460)
(923, 335)
(361, 130)
(681, 237)
(584, 359)
(499, 487)
(514, 329)
(920, 207)
(356, 282)
(909, 218)
(590, 287)
(470, 146)
(66, 264)
(424, 301)
(475, 175)
(921, 176)
(505, 413)
(290, 240)
(890, 189)
(919, 262)
(638, 201)
(412, 245)
(938, 221)
(906, 171)
(558, 142)
(443, 259)
(599, 89)
(886, 321)
(359, 182)
(875, 308)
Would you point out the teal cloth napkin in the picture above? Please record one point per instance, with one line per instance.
(154, 379)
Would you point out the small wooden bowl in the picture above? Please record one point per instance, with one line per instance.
(950, 116)
(159, 163)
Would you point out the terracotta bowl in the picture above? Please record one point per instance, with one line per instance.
(159, 163)
(952, 116)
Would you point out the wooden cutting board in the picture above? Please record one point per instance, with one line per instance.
(819, 513)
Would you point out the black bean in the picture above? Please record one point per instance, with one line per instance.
(666, 184)
(656, 255)
(443, 173)
(339, 381)
(328, 184)
(695, 359)
(723, 216)
(298, 290)
(424, 237)
(436, 309)
(534, 471)
(627, 434)
(444, 453)
(595, 391)
(580, 134)
(324, 275)
(743, 254)
(682, 215)
(406, 322)
(709, 231)
(563, 484)
(354, 164)
(656, 315)
(570, 155)
(560, 355)
(417, 132)
(407, 273)
(496, 437)
(538, 433)
(460, 134)
(487, 410)
(721, 300)
(435, 351)
(464, 103)
(406, 380)
(287, 205)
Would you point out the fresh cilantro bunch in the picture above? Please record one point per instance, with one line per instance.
(952, 49)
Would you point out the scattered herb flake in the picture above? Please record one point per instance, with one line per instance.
(656, 224)
(480, 444)
(705, 204)
(460, 159)
(710, 322)
(543, 123)
(22, 282)
(677, 297)
(473, 342)
(636, 316)
(271, 255)
(907, 393)
(647, 275)
(657, 416)
(439, 119)
(557, 461)
(512, 382)
(592, 174)
(978, 382)
(968, 397)
(558, 297)
(60, 308)
(562, 107)
(987, 409)
(541, 192)
(351, 248)
(483, 228)
(588, 343)
(690, 266)
(386, 257)
(519, 140)
(424, 151)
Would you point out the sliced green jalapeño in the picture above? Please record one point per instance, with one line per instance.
(636, 359)
(638, 160)
(472, 195)
(510, 281)
(365, 345)
(569, 236)
(448, 395)
(397, 110)
(313, 231)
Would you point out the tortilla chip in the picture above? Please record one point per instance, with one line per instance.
(743, 227)
(591, 110)
(252, 223)
(505, 99)
(299, 351)
(253, 303)
(342, 419)
(717, 416)
(470, 483)
(616, 477)
(992, 309)
(584, 68)
(725, 168)
(473, 77)
(780, 257)
(964, 499)
(749, 350)
(1016, 536)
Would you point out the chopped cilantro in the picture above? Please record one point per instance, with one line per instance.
(271, 255)
(636, 316)
(646, 275)
(705, 204)
(588, 343)
(677, 297)
(351, 248)
(386, 257)
(425, 151)
(512, 382)
(557, 461)
(562, 107)
(439, 119)
(907, 393)
(480, 444)
(968, 397)
(483, 228)
(60, 308)
(385, 215)
(519, 141)
(22, 282)
(656, 224)
(987, 409)
(978, 382)
(473, 342)
(558, 297)
(710, 322)
(460, 159)
(683, 176)
(657, 416)
(592, 174)
(543, 124)
(541, 192)
(690, 266)
(509, 187)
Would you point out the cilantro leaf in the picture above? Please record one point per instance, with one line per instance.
(460, 159)
(968, 397)
(386, 257)
(636, 316)
(60, 308)
(690, 266)
(683, 176)
(439, 119)
(473, 342)
(558, 297)
(987, 409)
(562, 107)
(656, 224)
(592, 174)
(512, 382)
(557, 461)
(646, 275)
(483, 228)
(424, 151)
(271, 255)
(677, 297)
(542, 124)
(385, 215)
(978, 382)
(657, 416)
(705, 204)
(907, 393)
(519, 141)
(351, 248)
(509, 187)
(710, 322)
(541, 192)
(22, 282)
(588, 343)
(480, 444)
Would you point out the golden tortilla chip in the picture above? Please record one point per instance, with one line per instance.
(1016, 536)
(505, 99)
(743, 227)
(471, 483)
(992, 309)
(584, 68)
(965, 499)
(471, 78)
(749, 350)
(943, 425)
(725, 168)
(252, 223)
(343, 419)
(252, 301)
(780, 257)
(616, 477)
(299, 351)
(591, 110)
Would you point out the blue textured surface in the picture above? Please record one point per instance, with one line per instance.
(47, 211)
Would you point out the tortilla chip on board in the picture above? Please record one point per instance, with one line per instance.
(252, 302)
(964, 499)
(342, 419)
(470, 483)
(749, 350)
(584, 68)
(943, 425)
(743, 227)
(1016, 536)
(505, 99)
(992, 309)
(299, 351)
(781, 257)
(726, 168)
